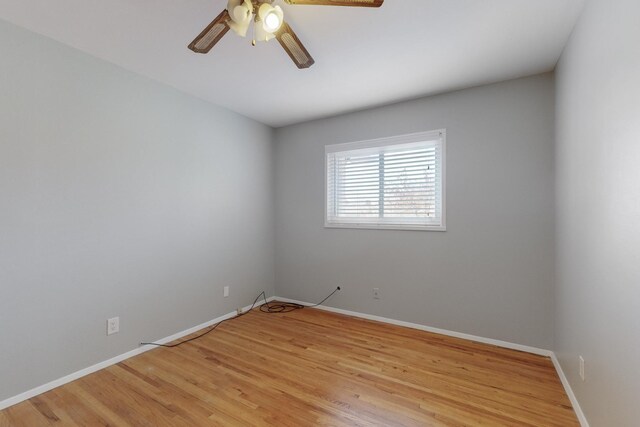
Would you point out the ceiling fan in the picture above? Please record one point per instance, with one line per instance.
(268, 23)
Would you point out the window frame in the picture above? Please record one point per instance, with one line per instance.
(440, 134)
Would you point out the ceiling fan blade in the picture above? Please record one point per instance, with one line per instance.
(212, 34)
(293, 46)
(355, 3)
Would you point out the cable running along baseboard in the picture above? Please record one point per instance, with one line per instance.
(266, 307)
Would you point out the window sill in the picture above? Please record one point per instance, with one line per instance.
(406, 227)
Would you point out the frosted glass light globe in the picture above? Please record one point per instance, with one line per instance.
(272, 21)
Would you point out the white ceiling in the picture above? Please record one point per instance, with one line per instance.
(364, 57)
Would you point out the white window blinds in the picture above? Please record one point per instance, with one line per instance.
(387, 183)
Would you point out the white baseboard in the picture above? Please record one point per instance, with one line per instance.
(505, 344)
(499, 343)
(567, 388)
(91, 369)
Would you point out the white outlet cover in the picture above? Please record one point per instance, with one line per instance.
(113, 325)
(581, 368)
(226, 291)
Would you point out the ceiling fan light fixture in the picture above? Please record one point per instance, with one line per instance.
(271, 17)
(240, 12)
(239, 29)
(260, 34)
(272, 22)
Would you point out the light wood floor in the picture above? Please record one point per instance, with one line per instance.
(310, 368)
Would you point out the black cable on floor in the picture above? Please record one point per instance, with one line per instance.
(284, 307)
(211, 328)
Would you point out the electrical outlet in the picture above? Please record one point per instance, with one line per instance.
(113, 325)
(376, 293)
(581, 367)
(226, 291)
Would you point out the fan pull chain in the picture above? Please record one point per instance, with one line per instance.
(253, 33)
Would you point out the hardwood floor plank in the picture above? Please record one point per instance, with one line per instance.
(24, 414)
(311, 368)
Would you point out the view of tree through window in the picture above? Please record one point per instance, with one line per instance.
(409, 179)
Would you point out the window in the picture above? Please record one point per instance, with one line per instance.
(395, 183)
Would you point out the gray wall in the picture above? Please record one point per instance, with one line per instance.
(119, 196)
(491, 273)
(598, 211)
